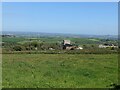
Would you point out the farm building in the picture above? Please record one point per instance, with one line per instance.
(68, 46)
(107, 46)
(66, 42)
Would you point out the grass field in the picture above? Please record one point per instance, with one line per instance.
(59, 70)
(22, 40)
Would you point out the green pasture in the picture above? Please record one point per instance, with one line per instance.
(59, 70)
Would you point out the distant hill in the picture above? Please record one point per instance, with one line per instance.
(41, 34)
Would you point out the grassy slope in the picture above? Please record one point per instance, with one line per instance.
(63, 70)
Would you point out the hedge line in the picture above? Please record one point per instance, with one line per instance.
(63, 52)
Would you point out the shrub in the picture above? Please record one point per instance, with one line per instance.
(17, 48)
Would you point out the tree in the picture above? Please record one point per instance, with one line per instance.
(34, 44)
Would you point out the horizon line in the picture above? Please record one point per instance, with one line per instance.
(60, 33)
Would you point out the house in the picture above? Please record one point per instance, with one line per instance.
(68, 46)
(107, 46)
(66, 42)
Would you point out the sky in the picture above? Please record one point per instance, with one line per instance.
(94, 18)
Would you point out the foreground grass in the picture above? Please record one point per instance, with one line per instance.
(59, 70)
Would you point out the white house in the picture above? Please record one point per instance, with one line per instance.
(107, 46)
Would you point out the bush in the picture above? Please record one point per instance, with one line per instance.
(17, 48)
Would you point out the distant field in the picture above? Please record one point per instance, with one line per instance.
(51, 40)
(12, 39)
(59, 70)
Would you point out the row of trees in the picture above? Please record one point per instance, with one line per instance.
(31, 46)
(37, 46)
